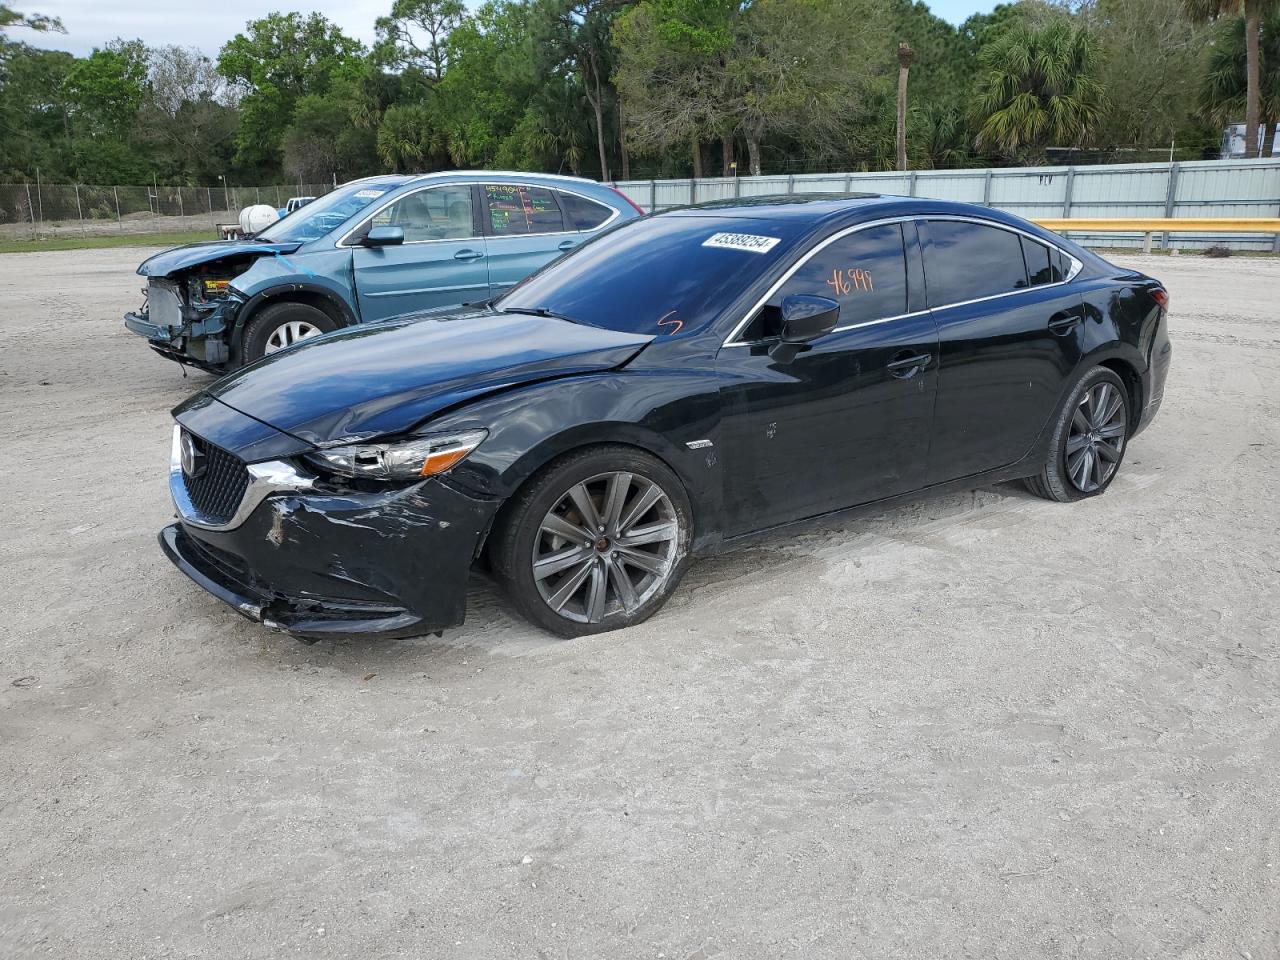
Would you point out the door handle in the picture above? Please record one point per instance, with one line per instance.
(904, 367)
(468, 254)
(1064, 325)
(567, 244)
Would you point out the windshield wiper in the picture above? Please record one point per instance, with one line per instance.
(544, 312)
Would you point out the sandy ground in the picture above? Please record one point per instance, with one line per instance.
(980, 726)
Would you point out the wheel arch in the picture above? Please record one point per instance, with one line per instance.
(326, 301)
(551, 451)
(1132, 379)
(1121, 359)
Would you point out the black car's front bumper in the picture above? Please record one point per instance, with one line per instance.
(316, 564)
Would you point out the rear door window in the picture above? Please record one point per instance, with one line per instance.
(581, 213)
(968, 261)
(515, 209)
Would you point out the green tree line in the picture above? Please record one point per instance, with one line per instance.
(617, 89)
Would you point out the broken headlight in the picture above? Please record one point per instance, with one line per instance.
(409, 459)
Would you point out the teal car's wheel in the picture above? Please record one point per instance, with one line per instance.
(281, 325)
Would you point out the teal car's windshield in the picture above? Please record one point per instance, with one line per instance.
(321, 216)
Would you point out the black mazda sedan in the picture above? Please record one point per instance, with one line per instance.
(682, 381)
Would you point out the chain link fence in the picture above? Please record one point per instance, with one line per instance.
(32, 211)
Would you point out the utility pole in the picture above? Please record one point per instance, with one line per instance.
(904, 67)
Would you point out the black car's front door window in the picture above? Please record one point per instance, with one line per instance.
(865, 272)
(842, 422)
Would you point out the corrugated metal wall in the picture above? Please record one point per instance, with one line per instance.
(1205, 188)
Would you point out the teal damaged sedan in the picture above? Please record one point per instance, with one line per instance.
(371, 250)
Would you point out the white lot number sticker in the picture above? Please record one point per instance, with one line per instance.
(741, 241)
(369, 194)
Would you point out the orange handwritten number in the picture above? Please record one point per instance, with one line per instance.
(667, 320)
(844, 281)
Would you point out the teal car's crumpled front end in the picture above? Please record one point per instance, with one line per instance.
(189, 304)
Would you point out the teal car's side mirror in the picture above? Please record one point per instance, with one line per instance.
(383, 237)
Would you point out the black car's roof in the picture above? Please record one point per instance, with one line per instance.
(824, 208)
(810, 207)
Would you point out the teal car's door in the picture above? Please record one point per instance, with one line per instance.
(441, 263)
(524, 228)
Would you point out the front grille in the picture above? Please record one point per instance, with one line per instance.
(219, 487)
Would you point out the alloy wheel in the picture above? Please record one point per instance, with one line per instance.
(1096, 438)
(606, 546)
(289, 333)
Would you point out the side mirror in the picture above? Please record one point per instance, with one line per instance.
(383, 237)
(804, 318)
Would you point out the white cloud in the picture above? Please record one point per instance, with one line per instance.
(92, 23)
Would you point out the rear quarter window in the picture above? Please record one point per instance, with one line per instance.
(1043, 263)
(581, 213)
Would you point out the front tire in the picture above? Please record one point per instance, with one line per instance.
(597, 541)
(281, 325)
(1089, 440)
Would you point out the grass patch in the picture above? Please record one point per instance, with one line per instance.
(110, 240)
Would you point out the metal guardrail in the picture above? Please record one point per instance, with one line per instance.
(1149, 226)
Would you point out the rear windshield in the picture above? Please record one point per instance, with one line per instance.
(319, 217)
(659, 275)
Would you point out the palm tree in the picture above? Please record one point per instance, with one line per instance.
(904, 67)
(1224, 87)
(940, 136)
(1037, 86)
(1254, 12)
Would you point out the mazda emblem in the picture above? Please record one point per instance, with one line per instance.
(192, 457)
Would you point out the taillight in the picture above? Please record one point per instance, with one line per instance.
(639, 209)
(1161, 296)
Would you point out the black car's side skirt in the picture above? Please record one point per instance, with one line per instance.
(1026, 467)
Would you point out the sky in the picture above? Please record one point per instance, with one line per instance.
(91, 23)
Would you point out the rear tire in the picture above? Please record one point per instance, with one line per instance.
(280, 325)
(596, 541)
(1089, 439)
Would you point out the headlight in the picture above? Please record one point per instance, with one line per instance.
(407, 460)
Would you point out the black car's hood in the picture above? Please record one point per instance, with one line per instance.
(385, 378)
(179, 258)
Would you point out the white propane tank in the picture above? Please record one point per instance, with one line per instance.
(257, 218)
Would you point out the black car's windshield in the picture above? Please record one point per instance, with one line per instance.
(664, 275)
(321, 216)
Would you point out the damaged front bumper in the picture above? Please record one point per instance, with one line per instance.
(319, 563)
(199, 343)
